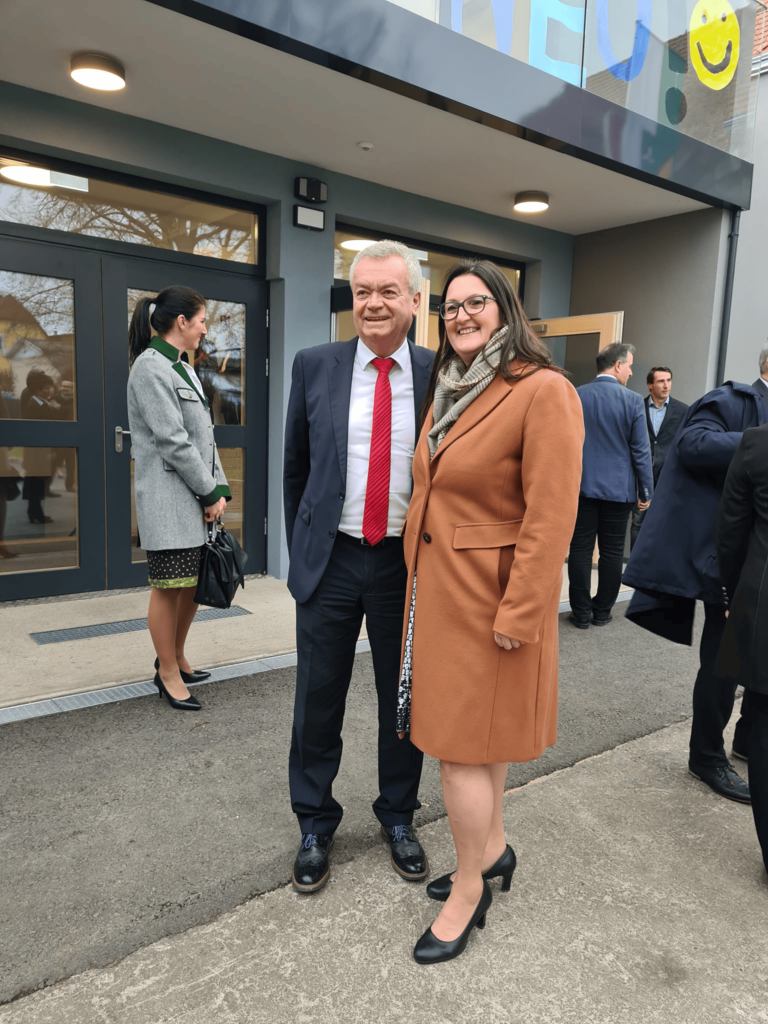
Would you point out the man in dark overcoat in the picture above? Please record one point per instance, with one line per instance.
(663, 416)
(674, 564)
(742, 551)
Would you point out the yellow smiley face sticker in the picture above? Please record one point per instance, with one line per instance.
(714, 37)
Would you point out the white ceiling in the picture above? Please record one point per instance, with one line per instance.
(181, 72)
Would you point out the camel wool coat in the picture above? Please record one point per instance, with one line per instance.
(488, 529)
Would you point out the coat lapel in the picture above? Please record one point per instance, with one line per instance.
(340, 389)
(496, 392)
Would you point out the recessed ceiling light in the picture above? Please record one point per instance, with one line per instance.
(531, 202)
(97, 71)
(366, 146)
(357, 244)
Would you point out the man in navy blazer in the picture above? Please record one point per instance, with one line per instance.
(347, 552)
(663, 415)
(616, 473)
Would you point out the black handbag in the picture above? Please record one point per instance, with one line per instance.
(221, 568)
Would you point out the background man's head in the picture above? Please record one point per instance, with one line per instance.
(659, 382)
(763, 363)
(616, 360)
(386, 291)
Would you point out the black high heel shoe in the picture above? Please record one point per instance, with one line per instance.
(188, 677)
(504, 868)
(190, 704)
(431, 950)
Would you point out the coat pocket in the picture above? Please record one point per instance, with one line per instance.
(188, 394)
(486, 535)
(168, 467)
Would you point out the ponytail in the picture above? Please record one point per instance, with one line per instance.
(169, 305)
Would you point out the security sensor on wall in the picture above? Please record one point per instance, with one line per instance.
(366, 146)
(311, 190)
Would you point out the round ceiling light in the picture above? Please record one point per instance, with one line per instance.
(357, 244)
(97, 71)
(26, 175)
(531, 202)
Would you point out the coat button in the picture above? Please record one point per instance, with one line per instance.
(331, 533)
(342, 497)
(427, 538)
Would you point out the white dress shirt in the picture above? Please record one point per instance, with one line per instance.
(364, 376)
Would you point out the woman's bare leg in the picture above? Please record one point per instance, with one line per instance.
(186, 613)
(162, 621)
(497, 841)
(469, 799)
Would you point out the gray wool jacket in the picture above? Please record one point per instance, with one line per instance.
(177, 468)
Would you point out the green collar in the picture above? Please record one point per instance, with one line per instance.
(172, 353)
(166, 349)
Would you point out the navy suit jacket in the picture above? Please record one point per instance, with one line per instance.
(617, 452)
(669, 425)
(315, 463)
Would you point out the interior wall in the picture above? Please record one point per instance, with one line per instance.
(299, 262)
(667, 276)
(748, 332)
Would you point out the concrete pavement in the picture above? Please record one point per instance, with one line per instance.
(640, 898)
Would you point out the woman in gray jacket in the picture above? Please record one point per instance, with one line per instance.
(179, 481)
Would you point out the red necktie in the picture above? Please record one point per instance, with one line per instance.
(376, 511)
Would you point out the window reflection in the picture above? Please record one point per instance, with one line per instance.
(37, 347)
(38, 509)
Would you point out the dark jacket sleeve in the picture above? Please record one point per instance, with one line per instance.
(640, 448)
(706, 443)
(735, 518)
(296, 457)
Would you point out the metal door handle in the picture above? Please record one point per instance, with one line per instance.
(119, 435)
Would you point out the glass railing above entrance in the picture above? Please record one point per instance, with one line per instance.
(686, 64)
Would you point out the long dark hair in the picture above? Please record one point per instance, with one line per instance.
(520, 342)
(170, 303)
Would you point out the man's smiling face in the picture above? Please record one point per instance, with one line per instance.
(382, 304)
(714, 37)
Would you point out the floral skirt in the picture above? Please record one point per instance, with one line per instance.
(406, 675)
(174, 568)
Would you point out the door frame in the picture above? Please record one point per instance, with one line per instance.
(609, 326)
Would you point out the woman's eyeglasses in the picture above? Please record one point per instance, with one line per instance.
(474, 304)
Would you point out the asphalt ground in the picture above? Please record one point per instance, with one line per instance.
(126, 823)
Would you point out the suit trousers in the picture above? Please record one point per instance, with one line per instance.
(359, 580)
(758, 767)
(606, 522)
(638, 515)
(713, 699)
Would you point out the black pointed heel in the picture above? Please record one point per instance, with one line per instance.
(504, 868)
(188, 677)
(190, 704)
(431, 950)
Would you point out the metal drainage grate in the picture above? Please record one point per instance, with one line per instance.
(59, 636)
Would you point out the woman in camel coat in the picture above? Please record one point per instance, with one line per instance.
(496, 477)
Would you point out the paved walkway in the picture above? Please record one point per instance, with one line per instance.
(640, 898)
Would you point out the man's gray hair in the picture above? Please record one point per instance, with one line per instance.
(615, 353)
(382, 251)
(762, 361)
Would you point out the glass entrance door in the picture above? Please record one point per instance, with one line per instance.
(67, 523)
(576, 340)
(232, 367)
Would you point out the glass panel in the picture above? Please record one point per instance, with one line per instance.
(685, 65)
(233, 463)
(37, 347)
(38, 509)
(102, 209)
(220, 360)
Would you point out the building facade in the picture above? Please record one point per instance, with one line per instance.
(423, 120)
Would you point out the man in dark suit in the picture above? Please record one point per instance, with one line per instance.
(674, 565)
(351, 428)
(616, 473)
(663, 415)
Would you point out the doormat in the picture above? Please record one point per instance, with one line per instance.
(59, 636)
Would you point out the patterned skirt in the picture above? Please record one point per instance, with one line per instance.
(174, 568)
(406, 675)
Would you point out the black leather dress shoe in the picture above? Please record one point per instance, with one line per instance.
(408, 858)
(188, 677)
(578, 623)
(431, 950)
(504, 868)
(724, 780)
(311, 869)
(601, 622)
